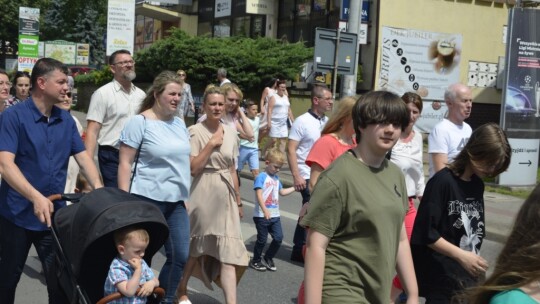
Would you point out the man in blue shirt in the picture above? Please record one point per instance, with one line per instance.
(36, 141)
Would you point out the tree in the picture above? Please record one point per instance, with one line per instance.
(87, 29)
(54, 23)
(250, 63)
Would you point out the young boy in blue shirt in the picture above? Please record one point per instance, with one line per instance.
(266, 214)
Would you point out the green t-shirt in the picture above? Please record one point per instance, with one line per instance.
(512, 296)
(361, 210)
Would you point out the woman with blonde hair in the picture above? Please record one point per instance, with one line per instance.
(217, 252)
(156, 144)
(516, 276)
(186, 103)
(449, 228)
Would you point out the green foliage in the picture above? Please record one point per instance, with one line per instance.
(97, 77)
(250, 63)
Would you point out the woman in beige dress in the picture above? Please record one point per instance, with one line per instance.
(217, 252)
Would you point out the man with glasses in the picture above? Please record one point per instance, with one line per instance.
(305, 131)
(110, 107)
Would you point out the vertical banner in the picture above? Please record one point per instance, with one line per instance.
(521, 105)
(120, 25)
(418, 61)
(28, 38)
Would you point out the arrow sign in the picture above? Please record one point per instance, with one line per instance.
(529, 163)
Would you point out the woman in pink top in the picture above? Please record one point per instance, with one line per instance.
(336, 138)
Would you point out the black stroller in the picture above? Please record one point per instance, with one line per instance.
(84, 234)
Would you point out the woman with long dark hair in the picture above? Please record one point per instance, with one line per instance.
(20, 89)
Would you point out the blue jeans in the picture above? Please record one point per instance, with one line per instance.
(176, 246)
(299, 238)
(108, 165)
(15, 242)
(265, 227)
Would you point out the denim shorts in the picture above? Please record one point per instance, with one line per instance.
(249, 155)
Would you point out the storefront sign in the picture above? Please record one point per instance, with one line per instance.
(223, 8)
(260, 7)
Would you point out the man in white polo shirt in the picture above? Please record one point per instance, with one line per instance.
(305, 131)
(450, 135)
(110, 107)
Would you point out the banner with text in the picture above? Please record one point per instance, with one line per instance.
(419, 61)
(28, 38)
(521, 105)
(120, 25)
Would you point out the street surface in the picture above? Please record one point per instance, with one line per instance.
(255, 287)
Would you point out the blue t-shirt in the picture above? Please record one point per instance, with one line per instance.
(270, 186)
(120, 271)
(42, 147)
(163, 170)
(512, 296)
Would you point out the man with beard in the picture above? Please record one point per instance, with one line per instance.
(110, 107)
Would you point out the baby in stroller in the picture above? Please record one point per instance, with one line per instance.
(128, 271)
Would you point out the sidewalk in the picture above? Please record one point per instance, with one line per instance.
(500, 209)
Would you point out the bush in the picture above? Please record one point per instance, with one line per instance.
(97, 77)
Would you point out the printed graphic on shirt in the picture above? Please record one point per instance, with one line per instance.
(470, 220)
(270, 186)
(462, 143)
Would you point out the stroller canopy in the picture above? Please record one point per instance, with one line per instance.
(85, 230)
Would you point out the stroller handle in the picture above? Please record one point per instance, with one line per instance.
(72, 197)
(158, 292)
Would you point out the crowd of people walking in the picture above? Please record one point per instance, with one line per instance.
(359, 171)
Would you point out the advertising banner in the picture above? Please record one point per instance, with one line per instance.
(28, 38)
(120, 25)
(419, 61)
(223, 8)
(521, 104)
(83, 53)
(28, 46)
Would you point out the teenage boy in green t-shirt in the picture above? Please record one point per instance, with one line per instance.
(356, 233)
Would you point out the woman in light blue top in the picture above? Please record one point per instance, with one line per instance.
(516, 277)
(156, 143)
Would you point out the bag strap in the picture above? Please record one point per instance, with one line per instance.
(137, 156)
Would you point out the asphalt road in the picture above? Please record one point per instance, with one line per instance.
(255, 287)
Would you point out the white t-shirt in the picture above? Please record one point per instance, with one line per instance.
(306, 129)
(448, 138)
(270, 186)
(111, 106)
(408, 157)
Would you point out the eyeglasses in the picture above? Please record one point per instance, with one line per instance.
(68, 94)
(7, 84)
(125, 63)
(181, 74)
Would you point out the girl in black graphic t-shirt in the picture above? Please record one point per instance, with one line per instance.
(450, 227)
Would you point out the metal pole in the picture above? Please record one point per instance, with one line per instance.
(334, 76)
(348, 87)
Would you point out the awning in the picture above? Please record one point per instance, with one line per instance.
(156, 12)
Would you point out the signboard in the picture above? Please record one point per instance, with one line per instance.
(260, 7)
(524, 163)
(28, 46)
(29, 21)
(83, 53)
(120, 25)
(521, 103)
(62, 51)
(11, 64)
(344, 12)
(28, 37)
(26, 64)
(362, 33)
(223, 8)
(419, 61)
(325, 50)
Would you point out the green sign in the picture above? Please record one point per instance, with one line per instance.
(28, 46)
